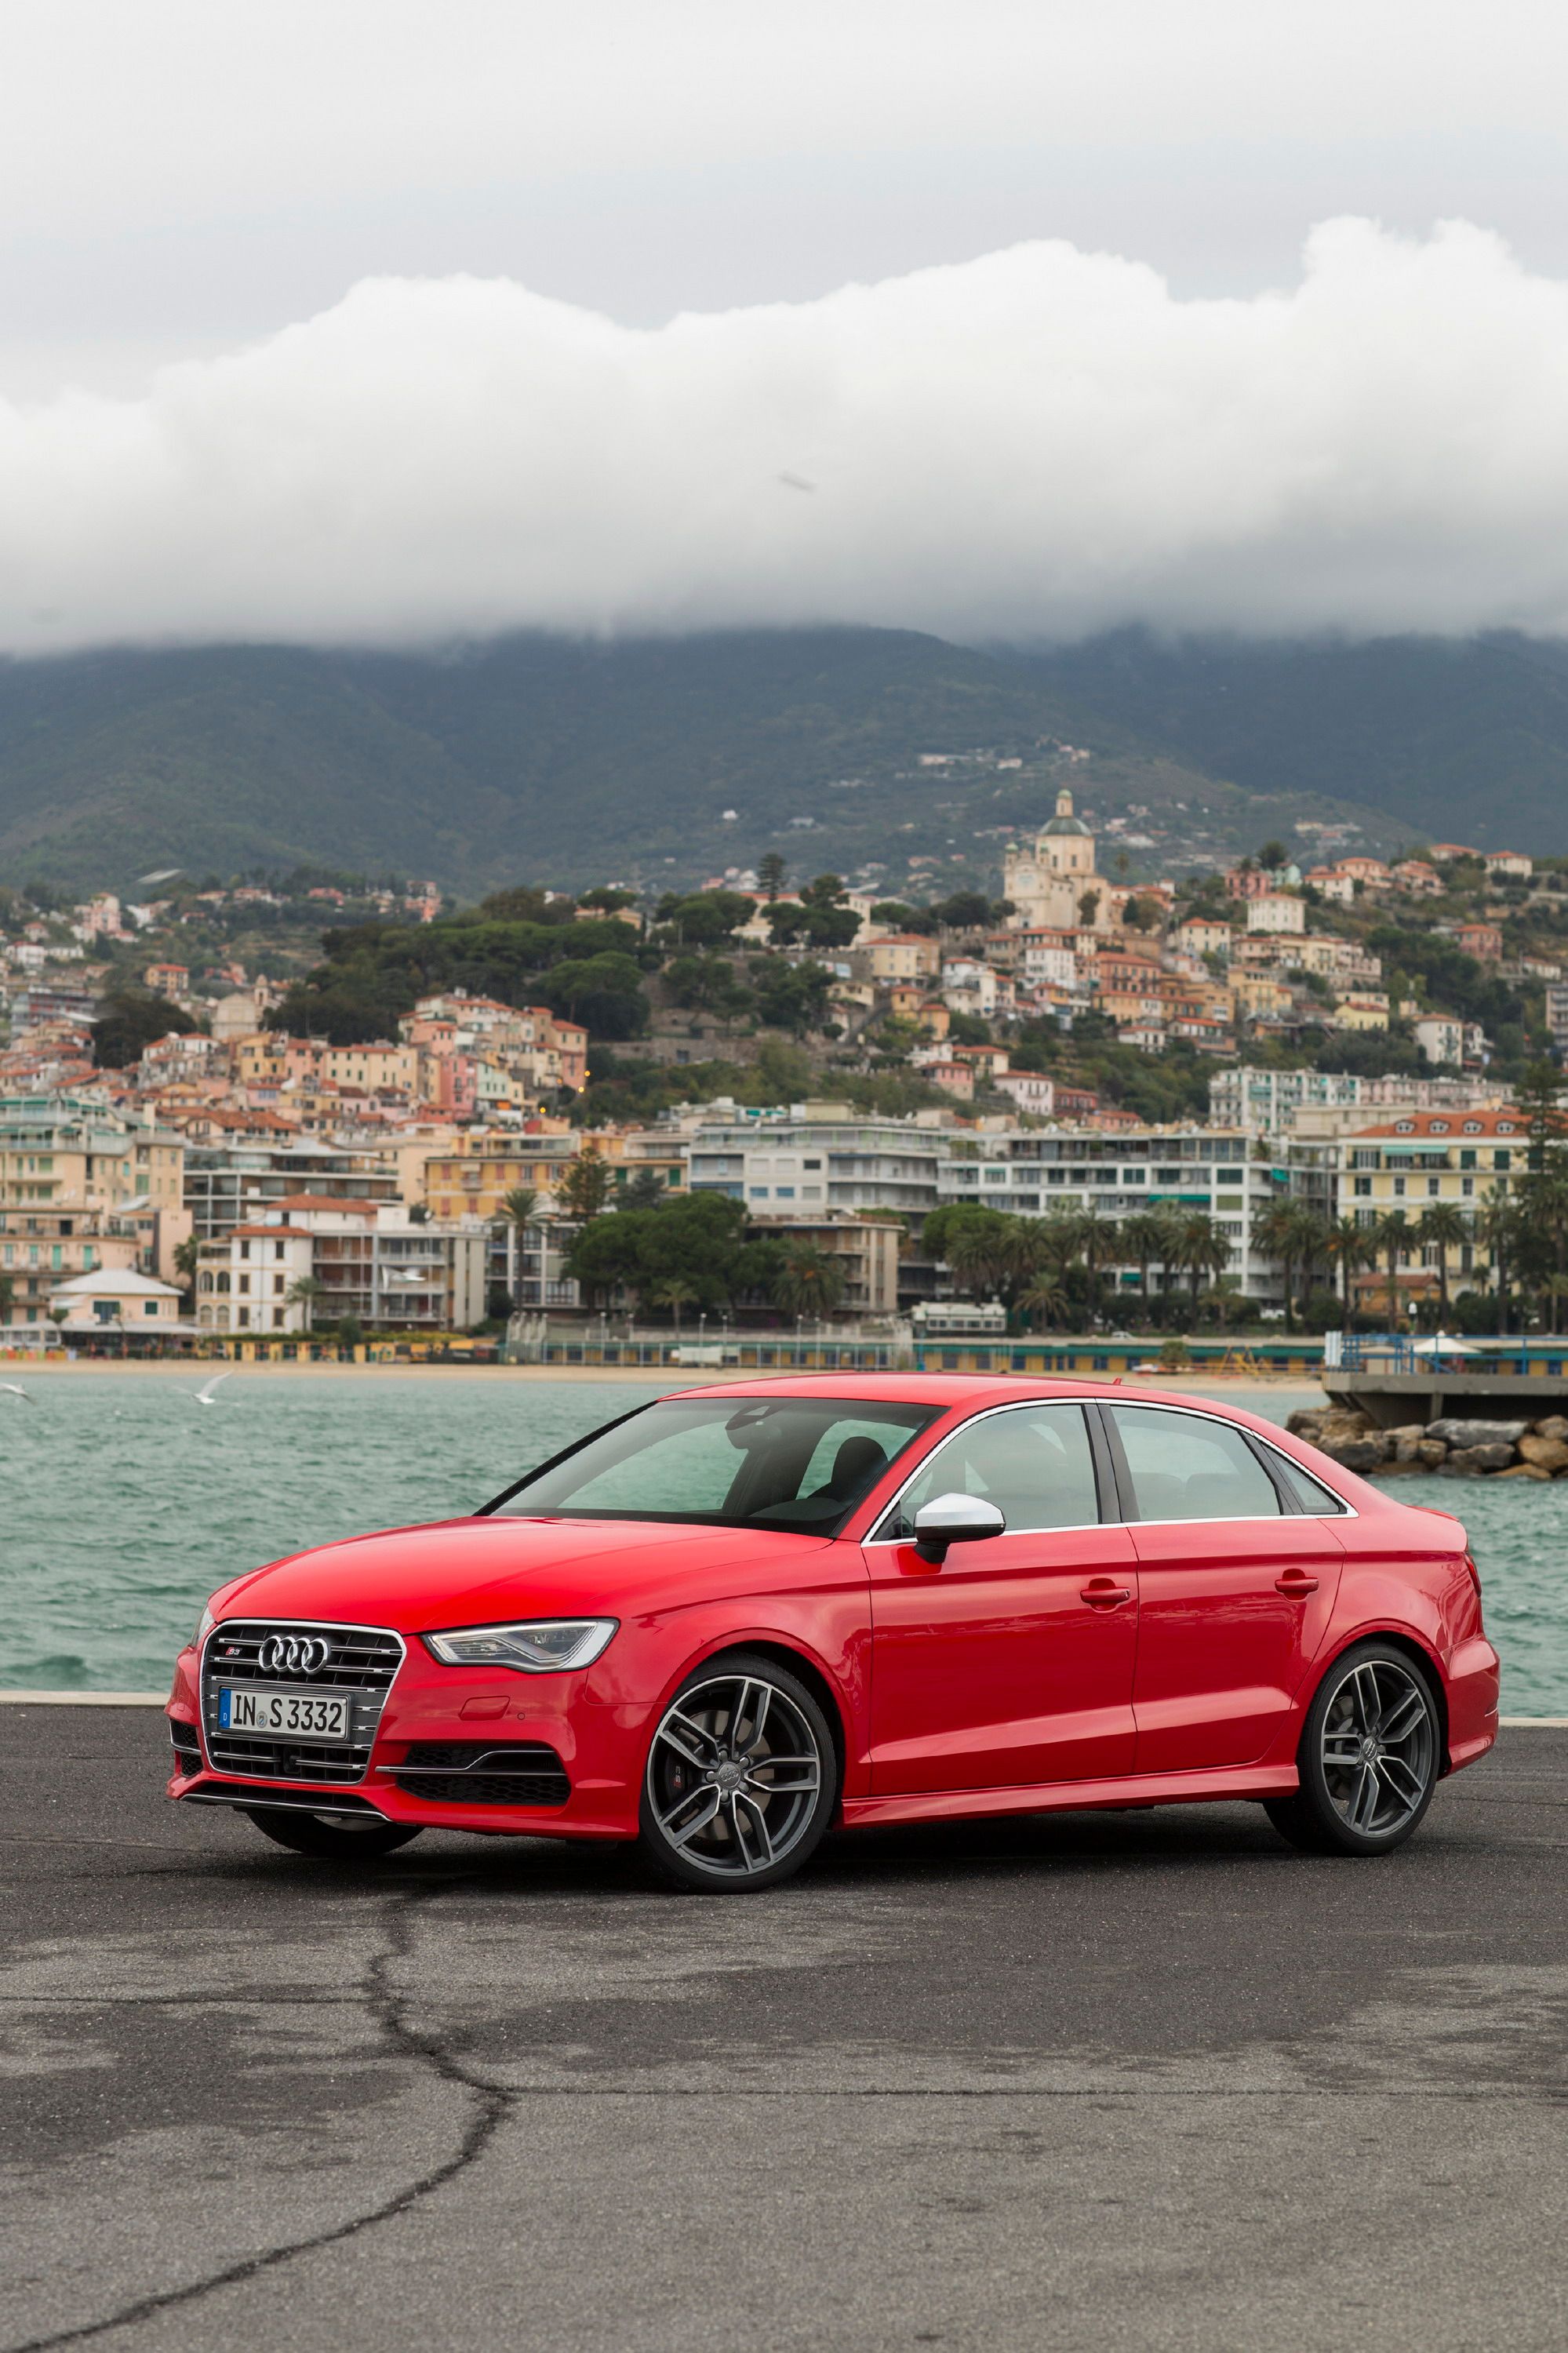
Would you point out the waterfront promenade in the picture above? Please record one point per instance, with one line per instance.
(1143, 2079)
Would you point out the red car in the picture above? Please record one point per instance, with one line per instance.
(737, 1616)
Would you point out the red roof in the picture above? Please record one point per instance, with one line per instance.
(1505, 1121)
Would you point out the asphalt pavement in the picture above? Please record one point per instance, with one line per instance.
(1146, 2080)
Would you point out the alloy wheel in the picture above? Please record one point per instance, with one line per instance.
(734, 1776)
(1379, 1747)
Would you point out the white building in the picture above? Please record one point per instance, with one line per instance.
(115, 1300)
(374, 1262)
(1276, 912)
(1441, 1038)
(1038, 1173)
(819, 1155)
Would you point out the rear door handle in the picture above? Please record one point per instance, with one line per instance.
(1296, 1585)
(1101, 1594)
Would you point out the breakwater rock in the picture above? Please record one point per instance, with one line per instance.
(1451, 1448)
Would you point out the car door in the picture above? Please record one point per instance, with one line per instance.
(1236, 1584)
(1013, 1662)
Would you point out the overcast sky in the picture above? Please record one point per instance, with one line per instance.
(368, 319)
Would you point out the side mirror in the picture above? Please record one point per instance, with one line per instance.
(954, 1519)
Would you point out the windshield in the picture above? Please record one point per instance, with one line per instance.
(779, 1462)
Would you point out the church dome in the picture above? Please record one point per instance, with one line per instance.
(1065, 821)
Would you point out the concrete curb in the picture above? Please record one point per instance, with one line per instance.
(82, 1698)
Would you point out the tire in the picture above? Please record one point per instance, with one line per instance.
(1370, 1752)
(711, 1816)
(333, 1839)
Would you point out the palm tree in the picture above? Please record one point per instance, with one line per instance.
(1497, 1227)
(674, 1291)
(810, 1283)
(1348, 1244)
(304, 1292)
(520, 1208)
(1275, 1232)
(1043, 1301)
(1202, 1250)
(187, 1254)
(1443, 1226)
(1394, 1236)
(1310, 1230)
(7, 1296)
(975, 1258)
(1100, 1247)
(1143, 1238)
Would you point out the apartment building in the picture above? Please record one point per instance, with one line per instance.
(227, 1184)
(1040, 1173)
(819, 1155)
(373, 1261)
(1409, 1164)
(1269, 1102)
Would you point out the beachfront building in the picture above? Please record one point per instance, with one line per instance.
(227, 1184)
(372, 1262)
(1405, 1166)
(116, 1305)
(1210, 1171)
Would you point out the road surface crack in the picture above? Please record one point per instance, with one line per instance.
(386, 2007)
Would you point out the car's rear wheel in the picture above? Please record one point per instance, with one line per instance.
(337, 1837)
(1371, 1749)
(742, 1778)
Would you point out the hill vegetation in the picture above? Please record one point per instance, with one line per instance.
(1464, 740)
(661, 762)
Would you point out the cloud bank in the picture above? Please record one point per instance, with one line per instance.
(1037, 444)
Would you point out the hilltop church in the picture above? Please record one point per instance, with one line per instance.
(1046, 877)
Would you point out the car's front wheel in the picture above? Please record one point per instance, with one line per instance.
(337, 1838)
(742, 1778)
(1371, 1749)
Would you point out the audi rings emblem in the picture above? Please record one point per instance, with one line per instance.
(293, 1654)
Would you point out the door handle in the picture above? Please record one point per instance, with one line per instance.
(1296, 1585)
(1101, 1594)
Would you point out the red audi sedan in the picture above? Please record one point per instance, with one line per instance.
(731, 1620)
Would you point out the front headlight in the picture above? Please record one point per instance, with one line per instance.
(208, 1622)
(540, 1646)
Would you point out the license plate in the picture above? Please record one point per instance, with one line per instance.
(307, 1715)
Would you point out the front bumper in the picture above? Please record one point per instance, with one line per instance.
(601, 1745)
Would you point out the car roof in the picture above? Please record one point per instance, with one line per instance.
(946, 1390)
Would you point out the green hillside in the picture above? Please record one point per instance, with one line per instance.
(1464, 740)
(545, 759)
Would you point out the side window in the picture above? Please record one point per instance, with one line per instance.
(1309, 1495)
(1186, 1467)
(1034, 1462)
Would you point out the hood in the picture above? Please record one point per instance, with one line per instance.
(466, 1572)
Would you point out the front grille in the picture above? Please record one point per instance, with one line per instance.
(363, 1659)
(483, 1773)
(187, 1746)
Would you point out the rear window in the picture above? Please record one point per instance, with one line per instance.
(1187, 1466)
(782, 1463)
(1309, 1495)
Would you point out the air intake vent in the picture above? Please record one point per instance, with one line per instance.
(483, 1773)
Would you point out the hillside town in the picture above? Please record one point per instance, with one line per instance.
(1305, 1087)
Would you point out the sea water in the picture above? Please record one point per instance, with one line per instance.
(123, 1501)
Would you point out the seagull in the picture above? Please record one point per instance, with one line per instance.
(14, 1389)
(204, 1396)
